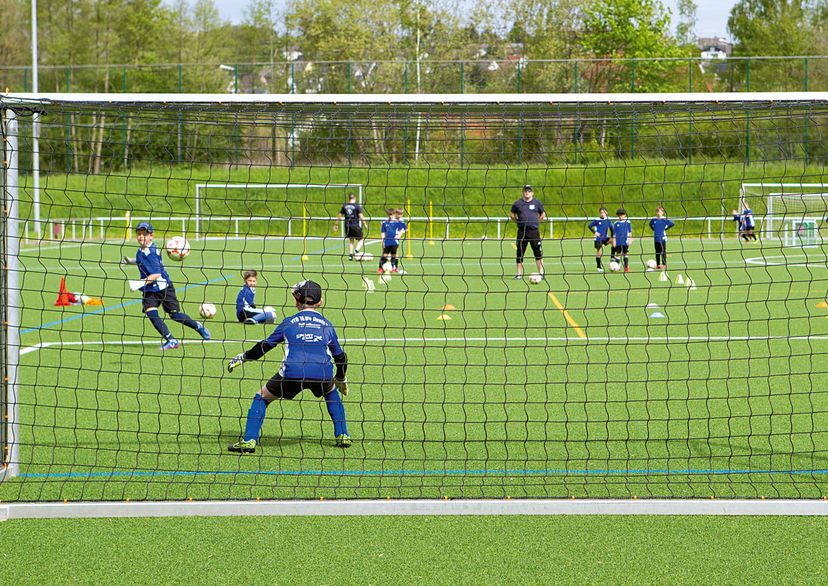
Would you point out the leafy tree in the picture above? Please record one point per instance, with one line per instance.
(686, 26)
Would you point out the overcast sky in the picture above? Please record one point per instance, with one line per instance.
(712, 14)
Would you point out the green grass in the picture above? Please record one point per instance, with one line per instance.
(706, 188)
(505, 399)
(420, 550)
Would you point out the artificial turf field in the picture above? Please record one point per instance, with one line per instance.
(564, 389)
(418, 550)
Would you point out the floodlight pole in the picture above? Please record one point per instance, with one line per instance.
(35, 129)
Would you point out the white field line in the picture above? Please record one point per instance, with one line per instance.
(443, 340)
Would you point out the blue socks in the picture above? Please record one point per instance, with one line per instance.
(256, 415)
(185, 319)
(255, 418)
(263, 317)
(159, 324)
(337, 412)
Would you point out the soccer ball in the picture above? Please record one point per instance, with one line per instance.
(614, 266)
(651, 264)
(207, 310)
(387, 267)
(178, 248)
(363, 256)
(535, 278)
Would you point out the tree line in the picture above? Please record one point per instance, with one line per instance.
(404, 46)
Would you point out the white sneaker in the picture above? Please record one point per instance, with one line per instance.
(600, 270)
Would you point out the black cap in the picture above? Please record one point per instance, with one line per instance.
(527, 188)
(307, 292)
(144, 226)
(621, 211)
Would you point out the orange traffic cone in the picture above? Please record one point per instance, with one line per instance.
(64, 297)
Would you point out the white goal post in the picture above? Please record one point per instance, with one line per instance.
(795, 212)
(204, 187)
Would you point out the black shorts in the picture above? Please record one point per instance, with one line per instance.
(287, 388)
(165, 299)
(354, 232)
(599, 244)
(624, 248)
(660, 247)
(389, 250)
(526, 238)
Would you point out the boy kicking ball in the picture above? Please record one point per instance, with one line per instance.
(158, 290)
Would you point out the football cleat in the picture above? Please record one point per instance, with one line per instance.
(342, 441)
(243, 447)
(205, 333)
(250, 321)
(626, 269)
(518, 277)
(379, 271)
(600, 270)
(171, 344)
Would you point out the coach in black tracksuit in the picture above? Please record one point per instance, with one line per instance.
(528, 212)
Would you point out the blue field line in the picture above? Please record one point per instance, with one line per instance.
(431, 472)
(137, 301)
(119, 306)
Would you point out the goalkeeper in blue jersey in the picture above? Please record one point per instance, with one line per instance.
(246, 310)
(158, 290)
(621, 238)
(602, 227)
(310, 343)
(659, 225)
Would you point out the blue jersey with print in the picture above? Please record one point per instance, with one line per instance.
(245, 299)
(389, 228)
(659, 226)
(750, 223)
(310, 342)
(622, 230)
(602, 228)
(149, 263)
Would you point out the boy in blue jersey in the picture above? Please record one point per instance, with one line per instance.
(749, 222)
(311, 342)
(158, 290)
(621, 238)
(246, 310)
(602, 227)
(659, 225)
(392, 231)
(402, 228)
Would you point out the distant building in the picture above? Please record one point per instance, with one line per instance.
(714, 48)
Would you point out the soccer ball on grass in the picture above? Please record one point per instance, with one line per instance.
(615, 266)
(178, 248)
(207, 310)
(535, 278)
(651, 264)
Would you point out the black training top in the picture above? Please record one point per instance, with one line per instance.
(528, 212)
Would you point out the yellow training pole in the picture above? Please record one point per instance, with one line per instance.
(304, 232)
(430, 224)
(128, 231)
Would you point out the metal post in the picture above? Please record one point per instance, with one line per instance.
(35, 127)
(462, 117)
(9, 427)
(747, 118)
(405, 129)
(632, 135)
(807, 116)
(574, 77)
(349, 77)
(462, 78)
(180, 121)
(197, 210)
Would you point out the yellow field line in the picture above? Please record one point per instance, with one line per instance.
(568, 317)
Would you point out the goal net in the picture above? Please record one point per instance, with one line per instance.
(796, 212)
(499, 345)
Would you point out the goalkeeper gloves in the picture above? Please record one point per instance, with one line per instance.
(235, 362)
(341, 386)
